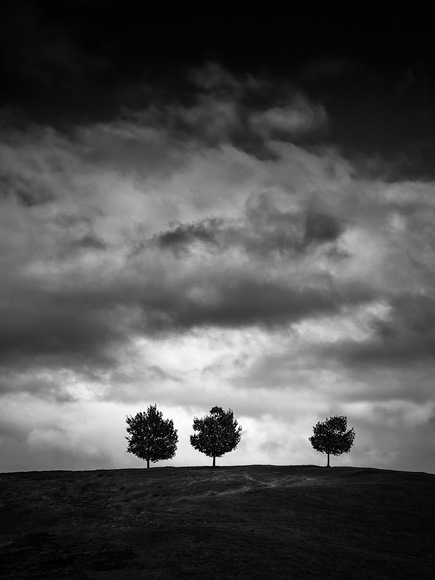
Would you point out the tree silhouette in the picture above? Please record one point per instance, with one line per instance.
(151, 437)
(218, 433)
(331, 437)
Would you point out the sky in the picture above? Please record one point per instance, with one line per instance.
(210, 207)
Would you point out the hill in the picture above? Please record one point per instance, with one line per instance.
(247, 522)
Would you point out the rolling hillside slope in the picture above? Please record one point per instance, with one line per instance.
(247, 522)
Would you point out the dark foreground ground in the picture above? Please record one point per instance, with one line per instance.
(292, 522)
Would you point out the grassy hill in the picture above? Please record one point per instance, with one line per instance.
(248, 522)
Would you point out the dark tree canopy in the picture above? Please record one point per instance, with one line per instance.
(151, 437)
(331, 436)
(217, 433)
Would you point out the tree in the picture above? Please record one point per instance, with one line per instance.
(331, 437)
(218, 433)
(151, 437)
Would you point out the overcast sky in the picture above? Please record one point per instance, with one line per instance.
(202, 209)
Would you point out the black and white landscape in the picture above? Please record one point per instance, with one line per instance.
(208, 207)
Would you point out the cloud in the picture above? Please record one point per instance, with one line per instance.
(70, 436)
(240, 110)
(263, 230)
(283, 261)
(57, 326)
(76, 271)
(41, 384)
(214, 78)
(194, 252)
(180, 237)
(406, 336)
(297, 118)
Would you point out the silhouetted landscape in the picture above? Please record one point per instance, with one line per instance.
(299, 522)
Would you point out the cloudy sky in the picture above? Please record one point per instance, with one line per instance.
(209, 208)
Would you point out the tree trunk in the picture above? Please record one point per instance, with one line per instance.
(214, 461)
(148, 463)
(328, 461)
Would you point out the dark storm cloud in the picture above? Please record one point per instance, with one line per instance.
(406, 337)
(182, 236)
(23, 189)
(89, 241)
(263, 230)
(161, 132)
(81, 317)
(43, 326)
(238, 302)
(86, 57)
(222, 107)
(47, 388)
(320, 227)
(69, 62)
(270, 265)
(72, 298)
(141, 147)
(18, 183)
(253, 290)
